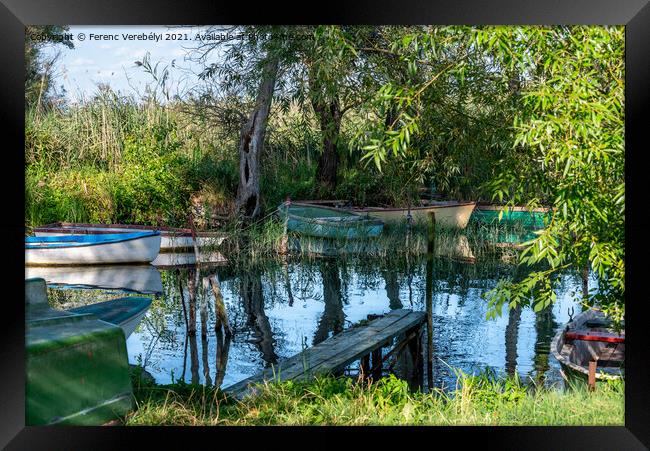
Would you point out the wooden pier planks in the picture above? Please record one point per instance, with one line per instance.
(337, 352)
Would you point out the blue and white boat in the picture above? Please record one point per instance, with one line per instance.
(140, 247)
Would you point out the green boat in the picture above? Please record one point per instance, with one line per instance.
(516, 225)
(327, 222)
(76, 364)
(532, 219)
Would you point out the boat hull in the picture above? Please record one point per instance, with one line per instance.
(123, 312)
(575, 355)
(528, 219)
(137, 250)
(170, 238)
(447, 214)
(77, 370)
(326, 222)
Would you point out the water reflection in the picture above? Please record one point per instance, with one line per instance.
(274, 310)
(131, 278)
(333, 317)
(252, 299)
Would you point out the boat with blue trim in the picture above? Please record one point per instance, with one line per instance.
(140, 247)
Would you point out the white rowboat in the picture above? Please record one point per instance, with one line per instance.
(92, 249)
(171, 238)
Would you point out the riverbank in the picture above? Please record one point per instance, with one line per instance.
(477, 400)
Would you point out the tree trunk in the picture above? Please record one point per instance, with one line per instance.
(251, 144)
(330, 125)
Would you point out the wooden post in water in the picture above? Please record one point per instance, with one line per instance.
(365, 366)
(591, 382)
(190, 220)
(376, 364)
(431, 235)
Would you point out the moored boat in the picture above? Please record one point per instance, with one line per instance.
(171, 238)
(140, 247)
(328, 222)
(123, 312)
(589, 337)
(527, 218)
(77, 369)
(449, 214)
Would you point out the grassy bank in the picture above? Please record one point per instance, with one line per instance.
(477, 400)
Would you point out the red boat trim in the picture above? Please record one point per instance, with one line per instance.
(592, 337)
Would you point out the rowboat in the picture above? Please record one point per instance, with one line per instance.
(77, 369)
(328, 222)
(171, 238)
(527, 218)
(449, 214)
(123, 312)
(136, 278)
(140, 247)
(589, 337)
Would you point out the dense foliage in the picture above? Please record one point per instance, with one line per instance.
(524, 115)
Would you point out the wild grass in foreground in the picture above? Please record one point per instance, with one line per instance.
(477, 400)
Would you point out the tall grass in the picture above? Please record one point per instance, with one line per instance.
(477, 400)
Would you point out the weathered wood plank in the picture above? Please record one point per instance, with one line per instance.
(304, 361)
(337, 352)
(313, 355)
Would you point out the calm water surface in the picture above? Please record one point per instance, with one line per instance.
(278, 309)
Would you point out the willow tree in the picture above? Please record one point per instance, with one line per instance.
(329, 78)
(572, 120)
(567, 145)
(442, 111)
(248, 67)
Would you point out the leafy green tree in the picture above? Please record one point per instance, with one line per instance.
(572, 124)
(559, 93)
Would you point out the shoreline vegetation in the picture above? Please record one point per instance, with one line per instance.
(375, 115)
(476, 400)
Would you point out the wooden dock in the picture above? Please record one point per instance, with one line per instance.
(339, 351)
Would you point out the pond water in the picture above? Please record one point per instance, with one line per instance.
(277, 309)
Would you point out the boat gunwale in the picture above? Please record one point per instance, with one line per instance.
(493, 207)
(419, 207)
(69, 227)
(353, 209)
(150, 234)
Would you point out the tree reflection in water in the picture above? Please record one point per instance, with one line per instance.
(327, 295)
(252, 299)
(333, 318)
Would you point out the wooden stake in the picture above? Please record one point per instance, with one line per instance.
(365, 365)
(376, 364)
(592, 375)
(429, 297)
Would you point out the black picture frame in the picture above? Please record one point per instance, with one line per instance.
(15, 14)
